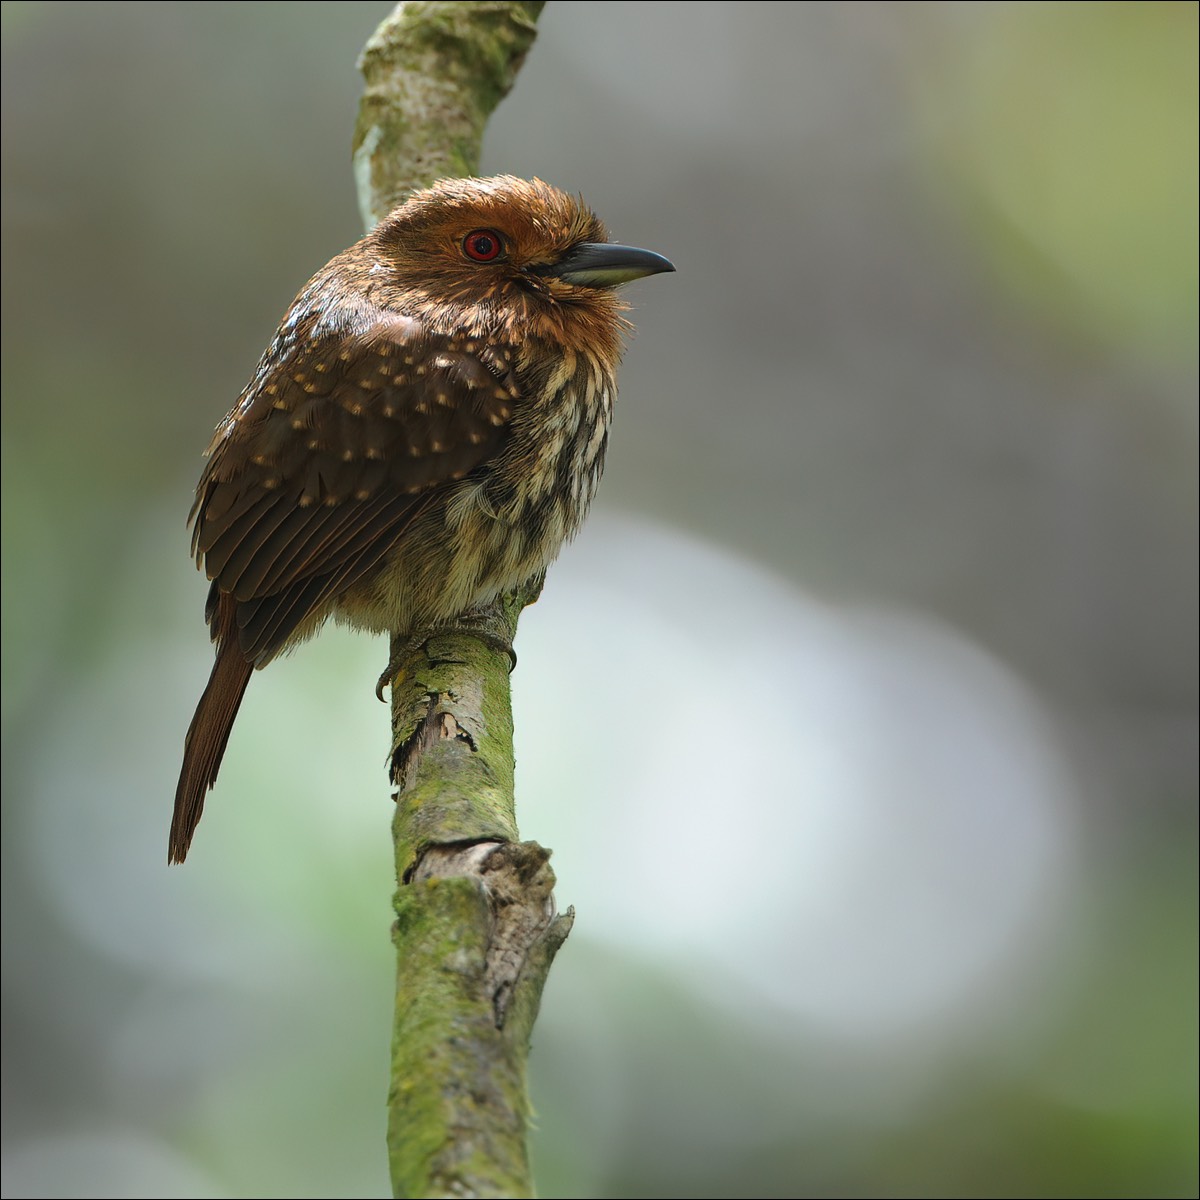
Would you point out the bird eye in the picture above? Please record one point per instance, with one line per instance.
(483, 245)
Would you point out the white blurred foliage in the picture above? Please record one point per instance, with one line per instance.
(852, 810)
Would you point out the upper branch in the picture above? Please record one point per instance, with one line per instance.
(434, 72)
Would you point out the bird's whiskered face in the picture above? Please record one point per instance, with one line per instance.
(504, 253)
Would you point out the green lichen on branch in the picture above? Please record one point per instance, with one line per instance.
(453, 733)
(442, 1034)
(475, 928)
(434, 73)
(458, 1102)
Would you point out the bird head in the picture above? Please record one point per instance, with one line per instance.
(503, 256)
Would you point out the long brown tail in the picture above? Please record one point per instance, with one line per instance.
(204, 746)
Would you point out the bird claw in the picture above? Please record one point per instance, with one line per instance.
(392, 673)
(500, 644)
(476, 624)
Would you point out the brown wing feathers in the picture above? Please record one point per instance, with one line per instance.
(326, 467)
(344, 442)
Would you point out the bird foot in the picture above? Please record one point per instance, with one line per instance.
(472, 624)
(391, 673)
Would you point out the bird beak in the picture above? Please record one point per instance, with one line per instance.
(603, 264)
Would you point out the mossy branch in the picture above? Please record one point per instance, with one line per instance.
(434, 73)
(476, 929)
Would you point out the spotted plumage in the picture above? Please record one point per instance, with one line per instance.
(425, 430)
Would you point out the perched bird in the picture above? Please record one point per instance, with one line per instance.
(424, 432)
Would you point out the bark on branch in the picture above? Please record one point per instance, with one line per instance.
(476, 929)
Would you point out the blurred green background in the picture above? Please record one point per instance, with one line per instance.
(861, 717)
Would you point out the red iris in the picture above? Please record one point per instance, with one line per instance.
(483, 245)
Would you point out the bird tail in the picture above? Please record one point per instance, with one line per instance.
(204, 746)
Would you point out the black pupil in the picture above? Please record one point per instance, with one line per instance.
(483, 245)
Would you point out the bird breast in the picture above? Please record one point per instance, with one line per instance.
(506, 521)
